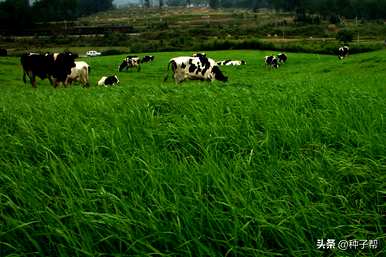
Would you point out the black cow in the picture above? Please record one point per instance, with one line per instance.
(3, 52)
(271, 61)
(147, 58)
(56, 67)
(282, 57)
(343, 52)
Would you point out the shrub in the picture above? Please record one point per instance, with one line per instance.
(112, 52)
(345, 36)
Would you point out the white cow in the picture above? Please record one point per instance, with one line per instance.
(79, 73)
(231, 63)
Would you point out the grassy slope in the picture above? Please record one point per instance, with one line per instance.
(263, 165)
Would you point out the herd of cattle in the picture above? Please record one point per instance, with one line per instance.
(62, 67)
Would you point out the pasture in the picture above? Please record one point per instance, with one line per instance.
(263, 165)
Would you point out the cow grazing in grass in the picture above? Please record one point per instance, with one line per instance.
(231, 63)
(343, 52)
(3, 52)
(282, 57)
(56, 67)
(271, 61)
(80, 73)
(198, 68)
(108, 81)
(130, 62)
(147, 58)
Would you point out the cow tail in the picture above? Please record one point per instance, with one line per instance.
(167, 72)
(22, 61)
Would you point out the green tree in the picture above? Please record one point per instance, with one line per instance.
(92, 6)
(49, 10)
(15, 14)
(214, 4)
(345, 36)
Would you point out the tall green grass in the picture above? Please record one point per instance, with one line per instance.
(264, 165)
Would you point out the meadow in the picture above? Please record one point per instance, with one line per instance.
(263, 165)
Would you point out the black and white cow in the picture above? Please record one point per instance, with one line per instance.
(271, 61)
(231, 63)
(56, 67)
(282, 57)
(79, 73)
(108, 81)
(3, 52)
(200, 68)
(147, 58)
(130, 62)
(343, 52)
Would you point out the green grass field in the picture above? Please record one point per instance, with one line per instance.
(264, 165)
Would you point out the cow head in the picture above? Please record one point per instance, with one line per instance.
(63, 63)
(123, 65)
(218, 74)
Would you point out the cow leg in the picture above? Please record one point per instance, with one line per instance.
(65, 83)
(50, 79)
(33, 80)
(179, 77)
(68, 81)
(24, 75)
(56, 83)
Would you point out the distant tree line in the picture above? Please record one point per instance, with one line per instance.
(16, 14)
(364, 9)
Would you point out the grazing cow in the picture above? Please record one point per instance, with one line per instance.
(130, 62)
(108, 81)
(3, 52)
(55, 66)
(231, 63)
(79, 73)
(282, 57)
(343, 52)
(200, 68)
(147, 58)
(202, 54)
(272, 61)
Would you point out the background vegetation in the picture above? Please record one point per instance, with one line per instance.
(264, 165)
(196, 29)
